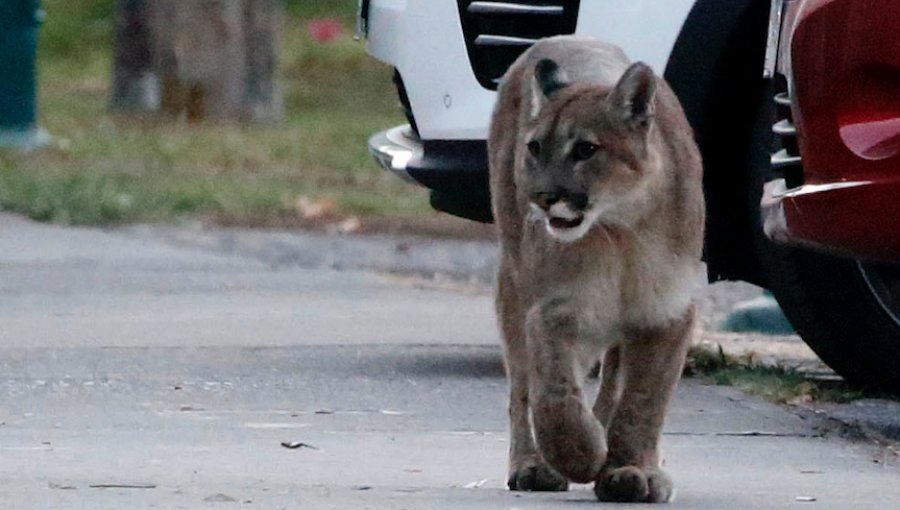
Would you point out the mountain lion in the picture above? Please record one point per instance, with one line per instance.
(597, 193)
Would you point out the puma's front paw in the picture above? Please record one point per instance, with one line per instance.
(537, 477)
(630, 484)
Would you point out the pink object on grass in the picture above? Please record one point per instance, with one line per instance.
(325, 30)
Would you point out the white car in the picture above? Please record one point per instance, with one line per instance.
(730, 64)
(449, 56)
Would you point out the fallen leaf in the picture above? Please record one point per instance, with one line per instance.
(293, 445)
(314, 208)
(349, 226)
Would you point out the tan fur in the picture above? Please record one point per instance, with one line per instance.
(621, 284)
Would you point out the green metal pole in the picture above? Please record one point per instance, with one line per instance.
(19, 25)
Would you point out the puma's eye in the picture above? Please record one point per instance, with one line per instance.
(534, 147)
(583, 151)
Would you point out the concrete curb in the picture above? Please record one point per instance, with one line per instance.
(472, 261)
(872, 419)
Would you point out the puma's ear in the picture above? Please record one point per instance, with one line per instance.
(548, 79)
(633, 95)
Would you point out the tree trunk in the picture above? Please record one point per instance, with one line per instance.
(262, 25)
(212, 59)
(200, 57)
(135, 86)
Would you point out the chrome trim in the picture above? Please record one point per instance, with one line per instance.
(776, 15)
(776, 189)
(784, 127)
(395, 148)
(362, 20)
(783, 159)
(503, 40)
(807, 189)
(788, 25)
(513, 8)
(783, 99)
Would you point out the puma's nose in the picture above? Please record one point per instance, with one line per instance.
(579, 201)
(545, 199)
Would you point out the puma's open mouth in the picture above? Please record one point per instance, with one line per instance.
(564, 223)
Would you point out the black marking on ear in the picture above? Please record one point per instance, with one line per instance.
(549, 77)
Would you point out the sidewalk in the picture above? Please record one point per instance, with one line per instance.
(388, 427)
(468, 266)
(137, 373)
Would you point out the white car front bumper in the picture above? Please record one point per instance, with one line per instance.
(424, 41)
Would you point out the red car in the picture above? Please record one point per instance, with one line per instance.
(833, 201)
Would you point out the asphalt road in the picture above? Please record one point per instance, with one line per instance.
(138, 374)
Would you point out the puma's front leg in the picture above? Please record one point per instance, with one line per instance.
(527, 469)
(568, 435)
(652, 362)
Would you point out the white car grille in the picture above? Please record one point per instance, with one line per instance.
(497, 33)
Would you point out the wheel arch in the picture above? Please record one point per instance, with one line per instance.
(715, 70)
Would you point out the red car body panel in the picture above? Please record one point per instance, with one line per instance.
(845, 65)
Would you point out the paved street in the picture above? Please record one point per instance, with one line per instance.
(140, 373)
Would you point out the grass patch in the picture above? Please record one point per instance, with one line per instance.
(776, 384)
(107, 170)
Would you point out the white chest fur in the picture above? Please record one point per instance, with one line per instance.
(613, 291)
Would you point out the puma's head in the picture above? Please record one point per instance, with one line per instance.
(586, 149)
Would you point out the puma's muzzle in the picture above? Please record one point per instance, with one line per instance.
(563, 220)
(562, 216)
(547, 199)
(561, 209)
